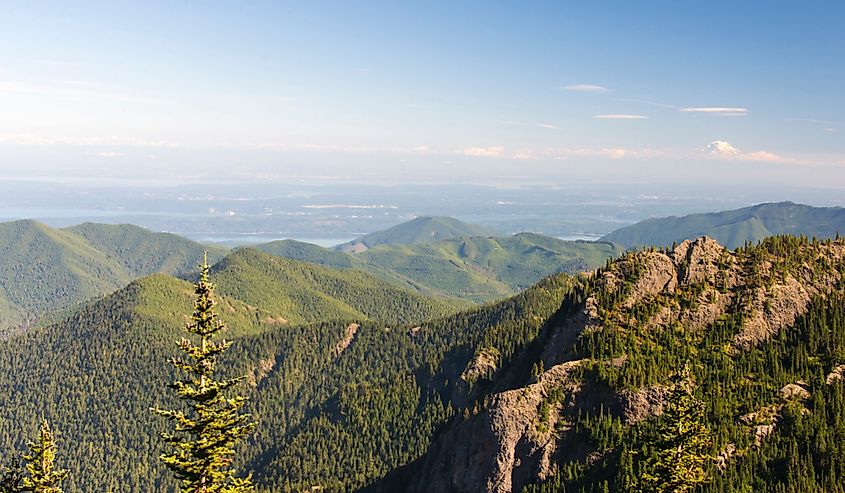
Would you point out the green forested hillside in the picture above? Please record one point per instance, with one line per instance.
(315, 254)
(302, 292)
(43, 269)
(419, 230)
(336, 417)
(481, 268)
(734, 228)
(477, 268)
(559, 388)
(143, 252)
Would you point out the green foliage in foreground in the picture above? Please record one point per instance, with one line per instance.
(39, 474)
(681, 443)
(205, 436)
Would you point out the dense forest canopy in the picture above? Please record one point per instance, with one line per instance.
(382, 399)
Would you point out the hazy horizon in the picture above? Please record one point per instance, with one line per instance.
(384, 93)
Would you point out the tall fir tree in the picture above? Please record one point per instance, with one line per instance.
(683, 443)
(42, 475)
(205, 435)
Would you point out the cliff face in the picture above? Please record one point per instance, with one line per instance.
(520, 434)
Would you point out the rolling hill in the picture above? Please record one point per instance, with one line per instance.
(96, 374)
(735, 227)
(43, 269)
(143, 252)
(302, 293)
(419, 230)
(473, 268)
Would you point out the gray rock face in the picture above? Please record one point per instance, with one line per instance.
(520, 436)
(505, 446)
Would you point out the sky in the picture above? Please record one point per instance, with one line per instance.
(507, 93)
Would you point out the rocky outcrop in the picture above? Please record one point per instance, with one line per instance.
(659, 275)
(836, 375)
(348, 337)
(777, 306)
(638, 405)
(771, 295)
(522, 432)
(503, 447)
(485, 362)
(261, 371)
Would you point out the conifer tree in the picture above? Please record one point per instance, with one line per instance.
(683, 442)
(205, 434)
(42, 477)
(11, 480)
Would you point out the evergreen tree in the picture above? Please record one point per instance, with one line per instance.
(42, 477)
(206, 434)
(682, 447)
(11, 480)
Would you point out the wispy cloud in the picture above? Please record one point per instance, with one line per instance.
(526, 155)
(826, 125)
(717, 110)
(620, 117)
(494, 151)
(562, 154)
(815, 120)
(546, 125)
(586, 88)
(649, 103)
(767, 156)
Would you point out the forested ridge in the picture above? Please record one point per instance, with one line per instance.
(585, 363)
(473, 268)
(95, 375)
(47, 272)
(733, 228)
(423, 229)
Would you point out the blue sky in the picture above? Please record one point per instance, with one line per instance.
(485, 92)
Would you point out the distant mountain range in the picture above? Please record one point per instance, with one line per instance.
(46, 271)
(447, 257)
(735, 227)
(419, 230)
